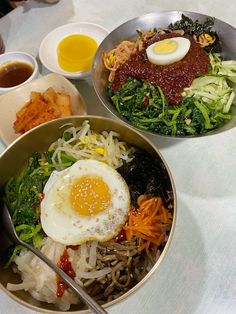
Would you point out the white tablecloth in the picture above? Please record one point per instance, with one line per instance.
(198, 274)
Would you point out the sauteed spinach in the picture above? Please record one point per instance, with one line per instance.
(23, 195)
(206, 104)
(144, 105)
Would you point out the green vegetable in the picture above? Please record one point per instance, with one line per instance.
(12, 253)
(67, 136)
(30, 234)
(225, 68)
(206, 106)
(67, 159)
(23, 195)
(213, 90)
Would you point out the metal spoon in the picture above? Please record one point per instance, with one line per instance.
(11, 233)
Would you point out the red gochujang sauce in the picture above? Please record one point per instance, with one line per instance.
(66, 266)
(172, 78)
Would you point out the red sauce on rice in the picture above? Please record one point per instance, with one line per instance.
(66, 266)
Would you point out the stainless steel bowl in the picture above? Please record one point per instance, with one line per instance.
(39, 139)
(226, 32)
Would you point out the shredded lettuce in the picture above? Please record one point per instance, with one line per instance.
(213, 90)
(223, 67)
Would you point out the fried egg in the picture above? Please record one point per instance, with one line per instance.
(87, 201)
(168, 51)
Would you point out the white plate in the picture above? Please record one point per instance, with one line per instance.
(48, 47)
(12, 101)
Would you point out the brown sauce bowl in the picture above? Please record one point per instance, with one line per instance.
(19, 67)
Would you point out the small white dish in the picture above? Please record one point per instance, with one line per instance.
(11, 102)
(48, 47)
(19, 56)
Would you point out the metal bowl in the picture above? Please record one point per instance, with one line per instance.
(39, 139)
(226, 32)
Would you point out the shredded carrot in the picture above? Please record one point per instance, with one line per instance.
(148, 222)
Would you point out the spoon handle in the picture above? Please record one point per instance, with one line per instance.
(93, 305)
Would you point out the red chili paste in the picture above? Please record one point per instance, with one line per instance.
(66, 266)
(172, 78)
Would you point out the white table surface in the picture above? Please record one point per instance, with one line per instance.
(198, 274)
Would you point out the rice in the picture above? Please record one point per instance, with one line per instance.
(42, 279)
(41, 282)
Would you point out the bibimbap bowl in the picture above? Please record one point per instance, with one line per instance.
(110, 265)
(170, 73)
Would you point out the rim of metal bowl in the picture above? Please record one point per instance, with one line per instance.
(114, 39)
(170, 237)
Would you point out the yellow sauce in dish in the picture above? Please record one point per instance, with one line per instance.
(76, 52)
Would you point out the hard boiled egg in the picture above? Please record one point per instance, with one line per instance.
(168, 50)
(87, 201)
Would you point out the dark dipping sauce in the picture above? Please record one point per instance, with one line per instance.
(172, 78)
(14, 73)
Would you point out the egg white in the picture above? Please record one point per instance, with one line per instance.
(65, 225)
(182, 48)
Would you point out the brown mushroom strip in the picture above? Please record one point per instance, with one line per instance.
(108, 258)
(88, 282)
(109, 289)
(117, 246)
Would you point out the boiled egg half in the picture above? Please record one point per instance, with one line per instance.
(87, 201)
(168, 51)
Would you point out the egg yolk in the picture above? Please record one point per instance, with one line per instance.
(165, 46)
(75, 52)
(90, 196)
